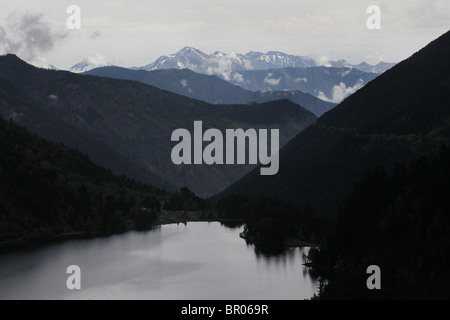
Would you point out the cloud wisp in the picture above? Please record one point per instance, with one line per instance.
(340, 92)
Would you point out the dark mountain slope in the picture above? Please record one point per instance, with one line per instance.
(22, 109)
(399, 116)
(412, 98)
(135, 121)
(399, 222)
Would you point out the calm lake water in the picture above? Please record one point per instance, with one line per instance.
(197, 261)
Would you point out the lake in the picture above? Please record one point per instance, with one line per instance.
(198, 261)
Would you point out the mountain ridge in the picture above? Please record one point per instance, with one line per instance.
(37, 119)
(135, 121)
(223, 64)
(86, 65)
(210, 88)
(326, 83)
(211, 64)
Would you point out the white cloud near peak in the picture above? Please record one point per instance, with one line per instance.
(340, 92)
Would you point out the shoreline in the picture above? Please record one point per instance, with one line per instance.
(177, 217)
(164, 218)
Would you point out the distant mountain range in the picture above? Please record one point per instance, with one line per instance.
(401, 115)
(211, 89)
(327, 83)
(224, 65)
(317, 89)
(127, 126)
(255, 71)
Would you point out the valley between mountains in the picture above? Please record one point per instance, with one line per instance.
(363, 172)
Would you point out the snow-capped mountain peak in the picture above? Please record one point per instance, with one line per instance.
(220, 62)
(89, 64)
(223, 64)
(188, 57)
(191, 53)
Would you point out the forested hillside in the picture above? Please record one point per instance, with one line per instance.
(399, 222)
(47, 190)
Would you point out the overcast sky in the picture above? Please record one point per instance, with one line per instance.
(136, 32)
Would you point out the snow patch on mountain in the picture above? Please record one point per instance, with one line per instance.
(89, 64)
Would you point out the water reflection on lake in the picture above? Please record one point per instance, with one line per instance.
(196, 261)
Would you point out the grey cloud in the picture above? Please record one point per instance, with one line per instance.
(28, 36)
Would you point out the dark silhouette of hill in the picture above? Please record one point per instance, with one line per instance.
(401, 115)
(49, 191)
